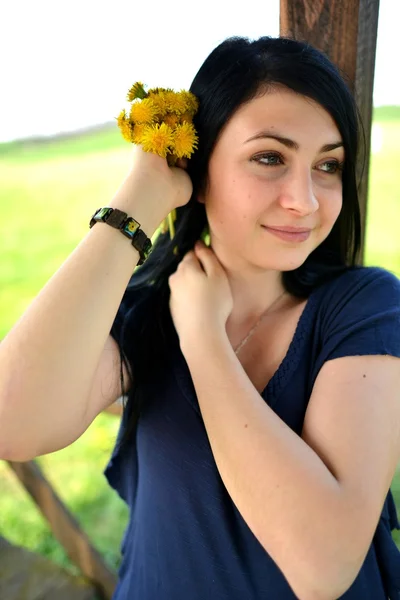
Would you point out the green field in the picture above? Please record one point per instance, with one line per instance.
(48, 191)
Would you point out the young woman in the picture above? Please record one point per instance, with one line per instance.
(261, 430)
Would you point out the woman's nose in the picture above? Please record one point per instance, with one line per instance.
(297, 192)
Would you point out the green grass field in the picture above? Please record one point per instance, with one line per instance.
(48, 191)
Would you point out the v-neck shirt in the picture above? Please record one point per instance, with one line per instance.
(185, 537)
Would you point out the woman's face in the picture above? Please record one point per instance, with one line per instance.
(256, 180)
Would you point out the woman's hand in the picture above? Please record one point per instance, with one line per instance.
(201, 298)
(152, 189)
(158, 183)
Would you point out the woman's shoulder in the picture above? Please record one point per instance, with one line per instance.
(358, 300)
(370, 284)
(357, 313)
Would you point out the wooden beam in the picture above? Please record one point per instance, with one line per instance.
(364, 87)
(65, 528)
(28, 575)
(346, 30)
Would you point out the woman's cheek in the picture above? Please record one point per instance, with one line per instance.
(332, 210)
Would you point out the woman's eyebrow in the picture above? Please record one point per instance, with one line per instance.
(291, 143)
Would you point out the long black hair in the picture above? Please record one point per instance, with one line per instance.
(235, 72)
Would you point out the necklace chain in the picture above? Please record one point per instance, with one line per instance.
(252, 330)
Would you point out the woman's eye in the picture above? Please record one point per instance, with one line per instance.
(270, 159)
(332, 166)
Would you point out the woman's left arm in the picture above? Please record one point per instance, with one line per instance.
(313, 501)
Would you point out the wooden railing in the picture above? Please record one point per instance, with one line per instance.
(63, 524)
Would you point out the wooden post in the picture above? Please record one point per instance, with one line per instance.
(346, 30)
(65, 528)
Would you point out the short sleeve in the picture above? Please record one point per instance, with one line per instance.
(361, 315)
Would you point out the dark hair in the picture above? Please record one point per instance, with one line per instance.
(234, 73)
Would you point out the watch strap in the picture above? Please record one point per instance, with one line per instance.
(127, 225)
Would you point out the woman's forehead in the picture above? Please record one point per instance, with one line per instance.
(285, 112)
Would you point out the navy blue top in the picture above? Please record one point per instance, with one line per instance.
(185, 538)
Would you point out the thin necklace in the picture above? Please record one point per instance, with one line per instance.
(252, 330)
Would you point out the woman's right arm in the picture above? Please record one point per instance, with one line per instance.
(58, 363)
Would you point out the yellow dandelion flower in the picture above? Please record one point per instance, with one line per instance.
(176, 103)
(185, 140)
(157, 138)
(171, 120)
(136, 91)
(187, 117)
(125, 126)
(158, 90)
(143, 111)
(191, 101)
(137, 133)
(160, 103)
(121, 117)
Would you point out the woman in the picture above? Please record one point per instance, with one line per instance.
(261, 430)
(262, 473)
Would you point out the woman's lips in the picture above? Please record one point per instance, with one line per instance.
(289, 236)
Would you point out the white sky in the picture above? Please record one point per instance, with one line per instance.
(67, 65)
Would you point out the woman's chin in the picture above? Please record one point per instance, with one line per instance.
(281, 263)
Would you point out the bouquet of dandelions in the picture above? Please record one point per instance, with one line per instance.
(161, 121)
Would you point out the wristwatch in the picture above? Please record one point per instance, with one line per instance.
(127, 225)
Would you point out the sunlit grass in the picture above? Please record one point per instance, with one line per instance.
(76, 472)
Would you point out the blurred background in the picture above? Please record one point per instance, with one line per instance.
(65, 72)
